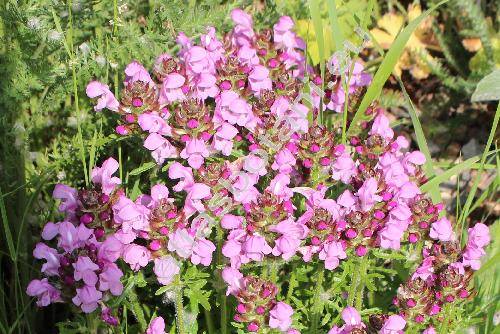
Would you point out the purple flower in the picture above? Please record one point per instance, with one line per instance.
(204, 86)
(95, 89)
(442, 230)
(110, 250)
(87, 297)
(184, 174)
(344, 168)
(50, 230)
(243, 33)
(85, 270)
(103, 175)
(198, 61)
(393, 325)
(234, 280)
(171, 89)
(68, 197)
(72, 237)
(381, 126)
(214, 47)
(51, 267)
(165, 269)
(284, 161)
(472, 257)
(136, 256)
(235, 110)
(131, 216)
(157, 326)
(44, 291)
(280, 316)
(351, 317)
(109, 279)
(426, 269)
(136, 72)
(391, 235)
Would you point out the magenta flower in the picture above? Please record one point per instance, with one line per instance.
(429, 330)
(204, 86)
(157, 326)
(165, 269)
(103, 175)
(351, 317)
(284, 37)
(223, 139)
(472, 257)
(235, 110)
(214, 47)
(442, 230)
(131, 216)
(202, 252)
(381, 126)
(426, 269)
(198, 61)
(87, 297)
(256, 247)
(391, 235)
(393, 325)
(43, 291)
(106, 99)
(284, 161)
(72, 237)
(50, 230)
(136, 256)
(233, 278)
(243, 33)
(280, 316)
(110, 250)
(344, 168)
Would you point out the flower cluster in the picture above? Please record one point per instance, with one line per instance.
(246, 164)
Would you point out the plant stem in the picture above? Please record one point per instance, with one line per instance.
(317, 307)
(221, 291)
(179, 307)
(209, 322)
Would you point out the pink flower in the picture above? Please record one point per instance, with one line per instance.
(131, 216)
(50, 230)
(292, 233)
(136, 72)
(110, 250)
(368, 194)
(204, 86)
(255, 247)
(214, 47)
(279, 186)
(157, 326)
(284, 161)
(165, 269)
(136, 256)
(425, 271)
(202, 252)
(87, 298)
(479, 236)
(429, 330)
(381, 126)
(243, 33)
(195, 194)
(230, 221)
(472, 257)
(109, 279)
(351, 316)
(195, 152)
(234, 280)
(181, 242)
(106, 99)
(284, 37)
(160, 148)
(171, 88)
(235, 110)
(255, 164)
(85, 270)
(347, 200)
(72, 237)
(248, 55)
(243, 188)
(44, 291)
(51, 267)
(344, 168)
(184, 174)
(68, 197)
(280, 316)
(153, 123)
(393, 325)
(223, 139)
(259, 79)
(332, 253)
(442, 230)
(198, 61)
(412, 159)
(103, 175)
(391, 235)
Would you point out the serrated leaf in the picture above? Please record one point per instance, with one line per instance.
(488, 89)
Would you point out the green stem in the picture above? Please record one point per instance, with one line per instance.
(179, 307)
(291, 285)
(317, 306)
(209, 321)
(221, 290)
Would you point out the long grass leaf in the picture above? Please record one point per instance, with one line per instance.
(337, 34)
(6, 227)
(386, 67)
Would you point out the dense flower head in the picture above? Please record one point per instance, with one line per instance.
(247, 170)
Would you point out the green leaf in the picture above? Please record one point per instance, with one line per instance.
(143, 168)
(488, 89)
(337, 34)
(384, 71)
(8, 234)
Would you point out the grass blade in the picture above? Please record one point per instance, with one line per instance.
(337, 34)
(386, 67)
(8, 234)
